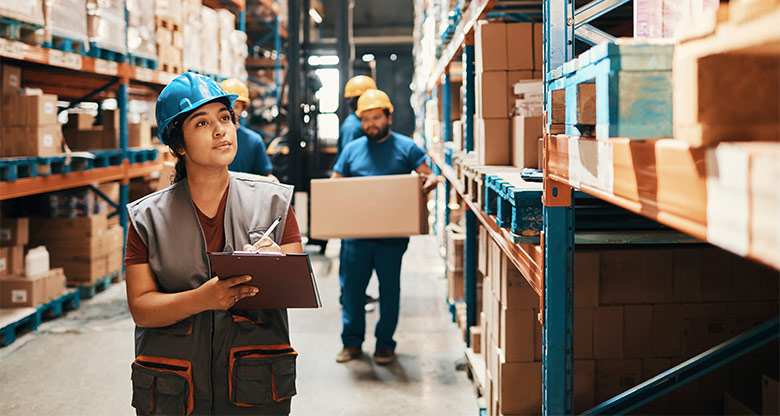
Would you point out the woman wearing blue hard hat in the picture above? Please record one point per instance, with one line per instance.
(194, 354)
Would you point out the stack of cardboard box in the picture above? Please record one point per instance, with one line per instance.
(638, 312)
(455, 282)
(505, 53)
(16, 289)
(527, 123)
(81, 134)
(28, 120)
(170, 44)
(191, 30)
(88, 248)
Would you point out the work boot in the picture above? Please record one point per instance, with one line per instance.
(348, 353)
(384, 356)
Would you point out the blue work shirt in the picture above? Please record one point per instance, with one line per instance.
(350, 130)
(398, 155)
(251, 156)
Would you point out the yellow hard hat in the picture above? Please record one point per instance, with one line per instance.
(372, 99)
(358, 85)
(235, 86)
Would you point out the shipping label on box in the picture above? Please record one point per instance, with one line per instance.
(368, 207)
(16, 291)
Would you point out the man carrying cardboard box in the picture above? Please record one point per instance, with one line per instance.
(379, 152)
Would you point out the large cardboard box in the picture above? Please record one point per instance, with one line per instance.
(84, 271)
(492, 94)
(703, 326)
(490, 48)
(14, 231)
(41, 109)
(652, 367)
(43, 140)
(608, 332)
(666, 331)
(139, 134)
(515, 291)
(583, 333)
(520, 46)
(455, 242)
(493, 141)
(520, 388)
(43, 230)
(11, 260)
(586, 278)
(520, 331)
(657, 283)
(456, 287)
(686, 270)
(12, 79)
(584, 389)
(368, 207)
(616, 376)
(525, 141)
(54, 284)
(17, 291)
(621, 277)
(637, 331)
(538, 48)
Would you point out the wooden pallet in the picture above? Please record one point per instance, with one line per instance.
(17, 321)
(67, 44)
(143, 62)
(108, 54)
(22, 31)
(14, 168)
(167, 24)
(516, 203)
(90, 289)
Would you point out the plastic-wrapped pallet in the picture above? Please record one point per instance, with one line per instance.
(209, 41)
(170, 10)
(29, 11)
(191, 10)
(191, 53)
(656, 19)
(240, 51)
(66, 19)
(106, 24)
(227, 24)
(141, 36)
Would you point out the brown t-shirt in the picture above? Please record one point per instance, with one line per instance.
(213, 229)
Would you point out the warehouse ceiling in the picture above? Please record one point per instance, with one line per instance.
(373, 18)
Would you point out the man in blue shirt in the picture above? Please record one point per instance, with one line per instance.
(351, 128)
(251, 156)
(379, 152)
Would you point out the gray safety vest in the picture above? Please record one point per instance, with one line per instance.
(214, 362)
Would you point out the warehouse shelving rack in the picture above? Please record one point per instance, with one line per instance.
(548, 268)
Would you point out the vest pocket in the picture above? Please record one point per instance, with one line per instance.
(262, 374)
(162, 386)
(183, 327)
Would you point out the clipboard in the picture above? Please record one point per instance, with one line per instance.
(285, 281)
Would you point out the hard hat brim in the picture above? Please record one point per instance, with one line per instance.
(161, 128)
(374, 107)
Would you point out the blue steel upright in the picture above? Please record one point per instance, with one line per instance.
(470, 245)
(558, 212)
(446, 116)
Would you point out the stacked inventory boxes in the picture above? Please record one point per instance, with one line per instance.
(170, 44)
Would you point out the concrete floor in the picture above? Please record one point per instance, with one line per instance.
(80, 363)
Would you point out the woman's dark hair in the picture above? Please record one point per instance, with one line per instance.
(352, 103)
(175, 140)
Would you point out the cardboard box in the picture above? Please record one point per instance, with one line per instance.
(637, 331)
(43, 230)
(496, 257)
(538, 48)
(616, 376)
(17, 291)
(520, 45)
(456, 284)
(652, 367)
(41, 110)
(621, 277)
(666, 331)
(475, 338)
(515, 291)
(770, 396)
(586, 278)
(5, 261)
(713, 384)
(493, 141)
(525, 141)
(14, 231)
(685, 399)
(686, 270)
(43, 141)
(455, 241)
(139, 135)
(520, 388)
(377, 207)
(55, 284)
(745, 280)
(586, 103)
(703, 327)
(84, 271)
(12, 260)
(490, 48)
(583, 333)
(657, 283)
(608, 332)
(12, 80)
(483, 252)
(520, 330)
(492, 94)
(584, 388)
(79, 121)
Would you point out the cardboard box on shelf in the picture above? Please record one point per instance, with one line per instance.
(620, 280)
(493, 141)
(18, 291)
(79, 120)
(686, 270)
(652, 367)
(614, 376)
(520, 45)
(483, 252)
(43, 141)
(538, 48)
(637, 331)
(685, 399)
(525, 141)
(490, 47)
(11, 260)
(583, 333)
(41, 109)
(520, 388)
(456, 238)
(139, 134)
(12, 79)
(667, 330)
(586, 278)
(584, 388)
(389, 206)
(492, 94)
(703, 327)
(84, 271)
(515, 291)
(586, 103)
(456, 289)
(54, 284)
(43, 230)
(608, 332)
(657, 283)
(519, 332)
(14, 231)
(475, 338)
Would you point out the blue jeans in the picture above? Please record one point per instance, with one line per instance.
(359, 258)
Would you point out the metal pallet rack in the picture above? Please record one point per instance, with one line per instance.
(548, 268)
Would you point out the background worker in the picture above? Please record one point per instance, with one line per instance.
(379, 152)
(251, 156)
(351, 129)
(191, 348)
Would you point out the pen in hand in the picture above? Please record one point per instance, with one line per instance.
(271, 228)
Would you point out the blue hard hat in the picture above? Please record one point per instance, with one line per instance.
(185, 93)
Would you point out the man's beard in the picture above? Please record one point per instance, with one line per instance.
(381, 134)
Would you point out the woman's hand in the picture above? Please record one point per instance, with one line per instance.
(223, 294)
(264, 244)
